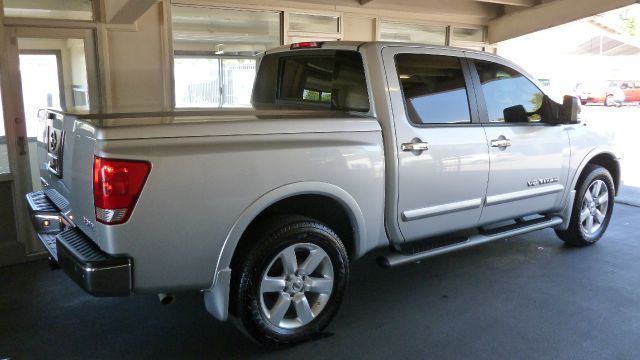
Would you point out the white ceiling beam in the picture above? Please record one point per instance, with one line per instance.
(546, 15)
(130, 11)
(524, 3)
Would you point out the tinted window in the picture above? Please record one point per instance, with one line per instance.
(333, 79)
(510, 97)
(433, 88)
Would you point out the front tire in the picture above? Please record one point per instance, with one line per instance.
(592, 208)
(291, 283)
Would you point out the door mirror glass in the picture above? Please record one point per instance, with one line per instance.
(569, 111)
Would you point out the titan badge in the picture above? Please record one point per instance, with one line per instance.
(537, 182)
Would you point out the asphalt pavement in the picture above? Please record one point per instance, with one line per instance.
(529, 297)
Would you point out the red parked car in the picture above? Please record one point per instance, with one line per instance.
(631, 90)
(600, 93)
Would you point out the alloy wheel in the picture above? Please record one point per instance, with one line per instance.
(594, 207)
(296, 286)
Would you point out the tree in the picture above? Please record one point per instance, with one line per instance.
(629, 24)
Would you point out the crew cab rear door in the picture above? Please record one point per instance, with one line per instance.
(441, 148)
(529, 158)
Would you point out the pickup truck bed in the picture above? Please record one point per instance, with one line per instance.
(202, 159)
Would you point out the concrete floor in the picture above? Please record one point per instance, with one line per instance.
(529, 297)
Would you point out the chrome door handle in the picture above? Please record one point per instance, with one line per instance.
(501, 143)
(417, 146)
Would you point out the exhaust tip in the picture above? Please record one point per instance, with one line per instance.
(166, 299)
(383, 262)
(53, 264)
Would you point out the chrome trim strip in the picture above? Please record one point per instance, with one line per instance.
(524, 194)
(410, 215)
(94, 269)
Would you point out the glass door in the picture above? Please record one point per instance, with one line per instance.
(53, 75)
(49, 68)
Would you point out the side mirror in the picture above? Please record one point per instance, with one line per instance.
(569, 111)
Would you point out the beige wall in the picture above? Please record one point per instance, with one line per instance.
(358, 27)
(136, 69)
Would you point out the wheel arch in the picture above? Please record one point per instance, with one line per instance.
(217, 296)
(607, 160)
(292, 198)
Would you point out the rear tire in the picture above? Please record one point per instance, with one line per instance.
(592, 208)
(291, 283)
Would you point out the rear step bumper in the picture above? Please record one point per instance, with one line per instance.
(98, 273)
(396, 258)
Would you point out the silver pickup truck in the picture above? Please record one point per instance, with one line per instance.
(349, 147)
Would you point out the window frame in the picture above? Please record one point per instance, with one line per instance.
(291, 32)
(172, 53)
(52, 21)
(382, 21)
(471, 98)
(480, 99)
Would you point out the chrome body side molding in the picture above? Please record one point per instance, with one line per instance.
(524, 194)
(422, 213)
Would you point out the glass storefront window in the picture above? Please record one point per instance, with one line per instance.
(314, 23)
(198, 81)
(67, 9)
(464, 34)
(238, 76)
(215, 49)
(416, 33)
(224, 32)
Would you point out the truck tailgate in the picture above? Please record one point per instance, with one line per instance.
(66, 170)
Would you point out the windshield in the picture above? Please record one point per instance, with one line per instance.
(314, 79)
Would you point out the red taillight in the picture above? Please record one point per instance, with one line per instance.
(307, 45)
(117, 184)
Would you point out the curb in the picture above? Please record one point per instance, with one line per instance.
(629, 195)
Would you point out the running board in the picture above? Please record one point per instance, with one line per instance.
(396, 258)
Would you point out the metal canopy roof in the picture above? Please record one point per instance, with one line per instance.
(505, 19)
(608, 45)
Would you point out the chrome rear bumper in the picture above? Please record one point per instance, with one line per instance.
(97, 272)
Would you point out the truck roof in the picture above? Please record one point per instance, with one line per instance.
(356, 45)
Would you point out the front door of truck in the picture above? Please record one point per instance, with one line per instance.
(529, 158)
(441, 149)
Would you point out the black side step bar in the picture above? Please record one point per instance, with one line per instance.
(396, 258)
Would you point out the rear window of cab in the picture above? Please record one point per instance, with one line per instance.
(319, 79)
